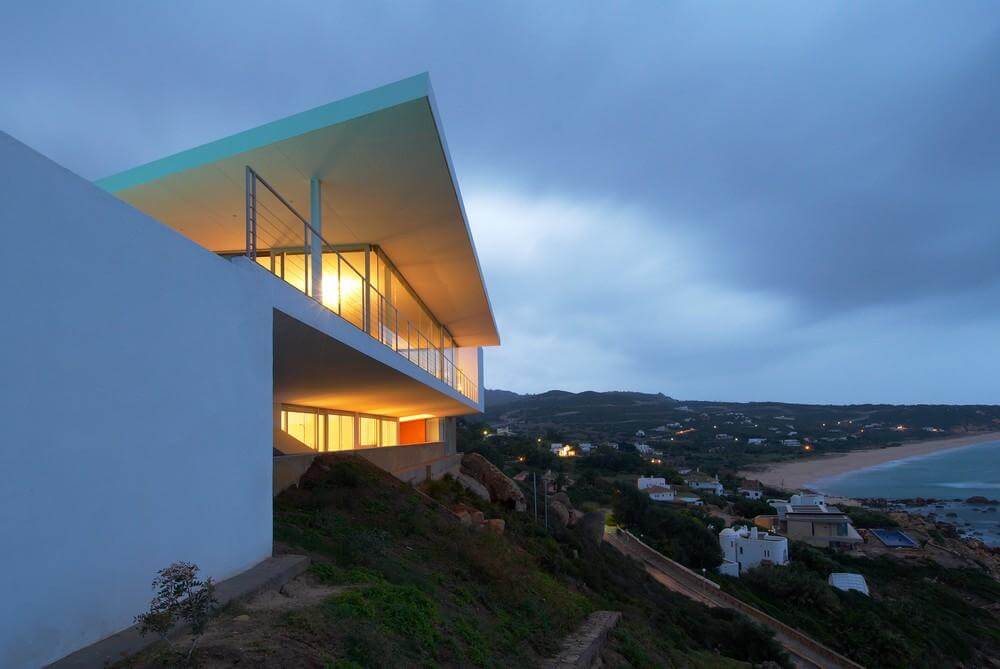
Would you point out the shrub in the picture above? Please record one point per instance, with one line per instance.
(181, 597)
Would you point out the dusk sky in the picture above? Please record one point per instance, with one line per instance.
(768, 201)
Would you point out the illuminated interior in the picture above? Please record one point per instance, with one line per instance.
(391, 312)
(329, 431)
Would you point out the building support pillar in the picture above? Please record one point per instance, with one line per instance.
(316, 221)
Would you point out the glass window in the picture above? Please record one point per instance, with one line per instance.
(390, 433)
(341, 432)
(301, 425)
(368, 432)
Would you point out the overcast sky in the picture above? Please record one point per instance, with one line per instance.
(742, 201)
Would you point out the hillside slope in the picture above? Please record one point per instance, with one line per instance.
(413, 587)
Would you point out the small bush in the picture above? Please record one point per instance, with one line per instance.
(181, 597)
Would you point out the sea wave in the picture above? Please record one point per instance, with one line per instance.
(969, 484)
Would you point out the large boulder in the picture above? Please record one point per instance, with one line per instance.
(558, 513)
(501, 488)
(473, 486)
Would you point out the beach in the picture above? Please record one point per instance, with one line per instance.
(799, 474)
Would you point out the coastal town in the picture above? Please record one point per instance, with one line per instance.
(725, 499)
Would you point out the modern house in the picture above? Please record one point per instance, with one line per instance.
(747, 547)
(185, 336)
(808, 518)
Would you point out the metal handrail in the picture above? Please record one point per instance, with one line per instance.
(442, 367)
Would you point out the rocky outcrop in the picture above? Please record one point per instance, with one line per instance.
(502, 489)
(559, 513)
(473, 486)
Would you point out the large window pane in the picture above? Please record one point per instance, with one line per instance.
(340, 432)
(302, 426)
(390, 433)
(368, 433)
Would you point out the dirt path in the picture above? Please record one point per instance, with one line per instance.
(806, 652)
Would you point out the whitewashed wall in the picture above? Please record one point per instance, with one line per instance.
(136, 410)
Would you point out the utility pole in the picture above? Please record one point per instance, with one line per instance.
(534, 493)
(545, 501)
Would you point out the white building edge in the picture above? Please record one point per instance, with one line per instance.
(153, 348)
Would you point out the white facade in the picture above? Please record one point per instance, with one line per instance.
(756, 441)
(709, 485)
(661, 493)
(146, 375)
(808, 499)
(643, 449)
(751, 493)
(137, 411)
(791, 443)
(650, 481)
(750, 547)
(586, 447)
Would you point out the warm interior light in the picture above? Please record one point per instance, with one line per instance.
(350, 286)
(419, 416)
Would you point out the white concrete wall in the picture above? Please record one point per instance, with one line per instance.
(136, 405)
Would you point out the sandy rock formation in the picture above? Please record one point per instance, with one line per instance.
(473, 486)
(502, 490)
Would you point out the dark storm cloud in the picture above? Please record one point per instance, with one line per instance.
(793, 201)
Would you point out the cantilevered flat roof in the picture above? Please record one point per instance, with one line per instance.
(386, 176)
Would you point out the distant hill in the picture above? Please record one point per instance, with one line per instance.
(617, 415)
(496, 398)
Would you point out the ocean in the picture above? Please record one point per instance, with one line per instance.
(954, 475)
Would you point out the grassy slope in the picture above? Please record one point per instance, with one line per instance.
(420, 589)
(454, 596)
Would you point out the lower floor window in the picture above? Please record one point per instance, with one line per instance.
(325, 431)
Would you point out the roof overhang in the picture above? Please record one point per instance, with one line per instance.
(386, 177)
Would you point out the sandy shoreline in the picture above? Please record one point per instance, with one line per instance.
(798, 473)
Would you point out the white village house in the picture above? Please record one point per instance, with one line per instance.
(657, 488)
(751, 489)
(703, 482)
(745, 548)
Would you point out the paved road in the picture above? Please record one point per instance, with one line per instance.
(805, 652)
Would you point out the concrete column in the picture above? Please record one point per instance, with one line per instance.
(316, 221)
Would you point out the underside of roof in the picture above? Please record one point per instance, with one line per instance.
(386, 179)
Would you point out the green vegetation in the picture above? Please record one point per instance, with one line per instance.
(750, 508)
(423, 590)
(919, 614)
(687, 535)
(867, 518)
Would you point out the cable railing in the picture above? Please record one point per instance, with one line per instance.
(281, 240)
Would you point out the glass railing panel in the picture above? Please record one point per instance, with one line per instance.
(279, 239)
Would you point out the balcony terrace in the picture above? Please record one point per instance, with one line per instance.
(357, 282)
(356, 205)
